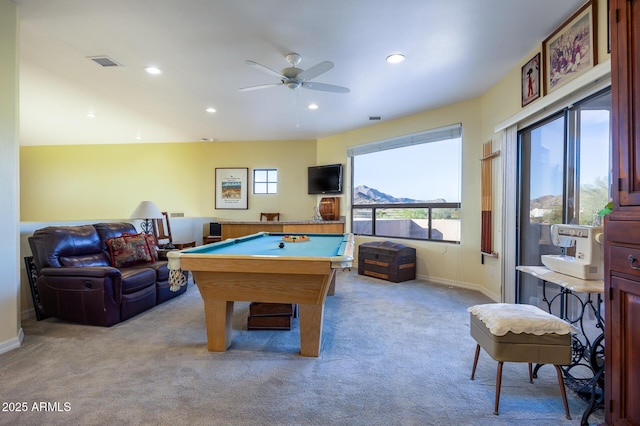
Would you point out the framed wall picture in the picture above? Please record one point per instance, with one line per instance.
(231, 188)
(530, 80)
(571, 49)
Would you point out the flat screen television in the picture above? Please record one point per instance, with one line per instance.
(325, 179)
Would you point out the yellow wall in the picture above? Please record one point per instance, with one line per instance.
(92, 182)
(10, 330)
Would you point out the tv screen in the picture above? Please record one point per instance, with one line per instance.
(325, 179)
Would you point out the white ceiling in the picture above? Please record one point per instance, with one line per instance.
(455, 50)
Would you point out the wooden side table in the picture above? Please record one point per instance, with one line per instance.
(208, 239)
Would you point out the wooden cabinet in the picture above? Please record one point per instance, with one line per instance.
(625, 80)
(239, 229)
(622, 226)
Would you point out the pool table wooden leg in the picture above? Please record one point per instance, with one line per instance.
(332, 284)
(218, 316)
(310, 328)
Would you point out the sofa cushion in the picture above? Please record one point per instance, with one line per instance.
(58, 246)
(111, 230)
(128, 250)
(96, 259)
(137, 277)
(162, 271)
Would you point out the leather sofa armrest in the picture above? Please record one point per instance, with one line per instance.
(108, 273)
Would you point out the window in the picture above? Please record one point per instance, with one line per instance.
(265, 181)
(409, 187)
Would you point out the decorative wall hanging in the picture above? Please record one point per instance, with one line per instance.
(231, 188)
(530, 80)
(486, 243)
(571, 49)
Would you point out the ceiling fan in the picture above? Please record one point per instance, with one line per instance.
(294, 77)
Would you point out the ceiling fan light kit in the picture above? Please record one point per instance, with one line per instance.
(293, 77)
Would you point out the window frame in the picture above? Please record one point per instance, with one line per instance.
(267, 182)
(434, 135)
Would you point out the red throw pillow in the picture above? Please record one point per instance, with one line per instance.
(128, 250)
(152, 241)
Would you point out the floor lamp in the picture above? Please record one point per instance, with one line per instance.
(146, 210)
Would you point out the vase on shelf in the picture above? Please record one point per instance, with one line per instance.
(330, 208)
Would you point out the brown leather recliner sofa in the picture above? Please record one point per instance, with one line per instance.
(77, 282)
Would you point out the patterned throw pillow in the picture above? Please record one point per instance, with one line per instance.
(153, 245)
(152, 241)
(128, 250)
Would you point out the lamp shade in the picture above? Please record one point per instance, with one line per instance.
(146, 210)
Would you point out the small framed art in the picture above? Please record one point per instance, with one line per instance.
(530, 80)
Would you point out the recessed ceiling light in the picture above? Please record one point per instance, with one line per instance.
(211, 110)
(91, 115)
(395, 58)
(153, 70)
(313, 106)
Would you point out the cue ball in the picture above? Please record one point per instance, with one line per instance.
(281, 245)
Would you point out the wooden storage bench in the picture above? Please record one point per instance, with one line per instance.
(271, 316)
(387, 260)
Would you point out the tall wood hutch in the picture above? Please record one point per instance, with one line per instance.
(622, 226)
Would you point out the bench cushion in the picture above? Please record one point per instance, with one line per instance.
(549, 348)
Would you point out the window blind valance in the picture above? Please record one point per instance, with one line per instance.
(441, 133)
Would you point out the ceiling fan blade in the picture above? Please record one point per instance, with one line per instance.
(263, 68)
(325, 87)
(315, 70)
(260, 86)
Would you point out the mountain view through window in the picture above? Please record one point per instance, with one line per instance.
(410, 191)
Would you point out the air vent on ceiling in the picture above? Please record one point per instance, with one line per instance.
(105, 61)
(375, 118)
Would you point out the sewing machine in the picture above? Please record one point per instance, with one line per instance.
(588, 262)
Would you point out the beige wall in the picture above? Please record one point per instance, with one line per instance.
(10, 329)
(95, 182)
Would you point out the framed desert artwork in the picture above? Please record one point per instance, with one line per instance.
(530, 80)
(231, 188)
(571, 49)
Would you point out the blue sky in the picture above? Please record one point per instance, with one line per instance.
(594, 152)
(422, 172)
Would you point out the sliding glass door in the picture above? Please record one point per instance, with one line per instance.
(564, 172)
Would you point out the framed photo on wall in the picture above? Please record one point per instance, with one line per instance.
(571, 49)
(530, 80)
(232, 188)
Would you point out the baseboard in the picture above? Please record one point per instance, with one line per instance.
(12, 343)
(458, 284)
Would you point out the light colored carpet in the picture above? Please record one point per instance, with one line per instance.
(392, 354)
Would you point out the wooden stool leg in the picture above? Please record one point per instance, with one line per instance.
(498, 383)
(475, 362)
(530, 373)
(563, 391)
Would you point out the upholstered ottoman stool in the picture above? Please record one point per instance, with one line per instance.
(521, 333)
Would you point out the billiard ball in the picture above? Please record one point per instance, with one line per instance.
(281, 245)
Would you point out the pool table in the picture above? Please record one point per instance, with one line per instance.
(255, 268)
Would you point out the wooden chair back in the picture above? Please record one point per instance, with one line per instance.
(269, 217)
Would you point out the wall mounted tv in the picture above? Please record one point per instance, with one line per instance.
(325, 179)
